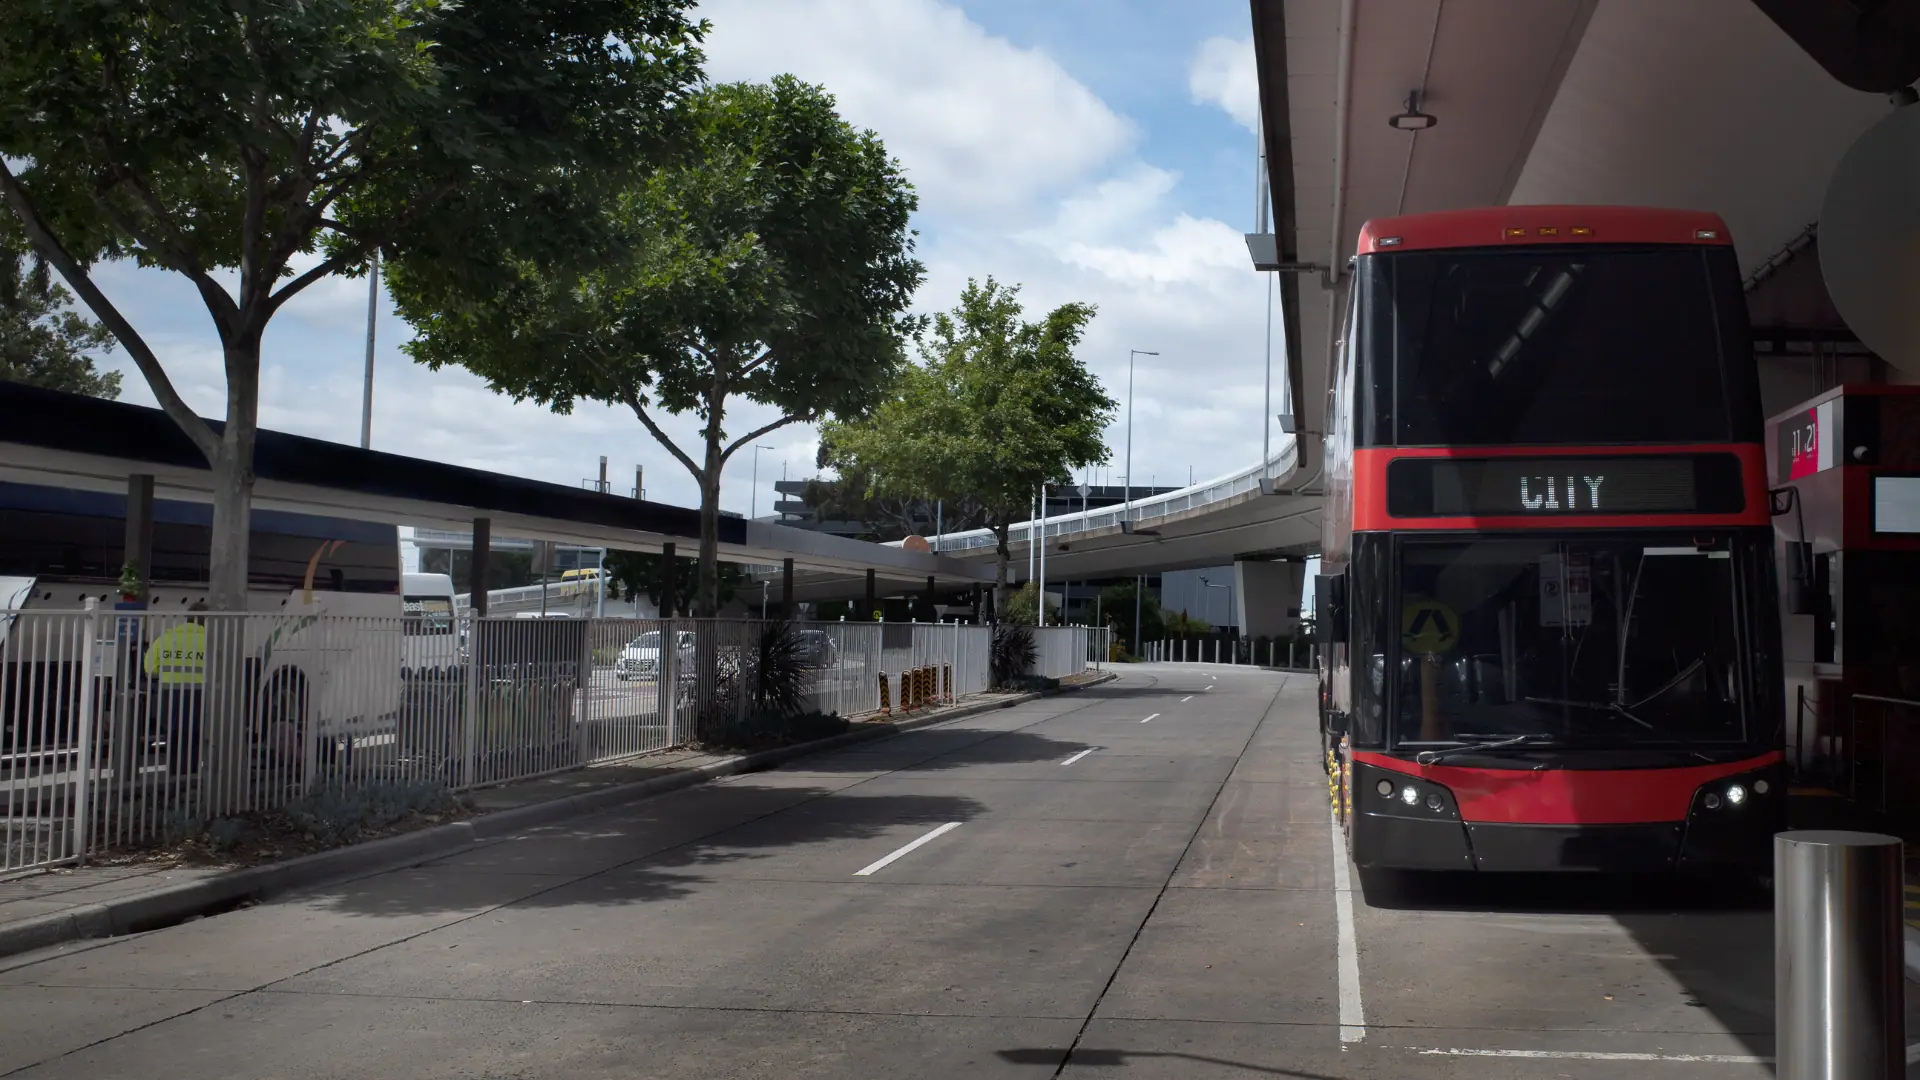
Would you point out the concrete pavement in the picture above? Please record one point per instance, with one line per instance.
(1137, 880)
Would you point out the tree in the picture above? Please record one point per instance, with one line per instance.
(636, 573)
(997, 407)
(772, 264)
(1023, 607)
(238, 135)
(887, 518)
(43, 341)
(1116, 603)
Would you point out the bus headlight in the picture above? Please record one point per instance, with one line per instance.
(1736, 795)
(1759, 787)
(1410, 795)
(1712, 800)
(1384, 787)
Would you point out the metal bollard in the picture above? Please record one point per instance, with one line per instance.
(1839, 1010)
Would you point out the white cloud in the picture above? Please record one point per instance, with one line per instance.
(1224, 74)
(978, 123)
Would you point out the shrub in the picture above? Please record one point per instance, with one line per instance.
(1013, 653)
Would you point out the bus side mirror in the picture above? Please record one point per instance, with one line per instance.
(1330, 607)
(1800, 598)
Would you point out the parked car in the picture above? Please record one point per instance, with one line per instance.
(818, 647)
(641, 658)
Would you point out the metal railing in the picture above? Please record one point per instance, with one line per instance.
(1870, 762)
(1292, 655)
(122, 728)
(1139, 510)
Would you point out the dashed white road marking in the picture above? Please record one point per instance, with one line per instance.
(1078, 756)
(1353, 1019)
(1150, 718)
(1594, 1055)
(1186, 699)
(881, 864)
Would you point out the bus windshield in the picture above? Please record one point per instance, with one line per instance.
(1552, 346)
(1603, 641)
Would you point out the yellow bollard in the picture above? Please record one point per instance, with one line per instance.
(886, 706)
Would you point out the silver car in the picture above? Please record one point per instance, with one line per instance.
(641, 658)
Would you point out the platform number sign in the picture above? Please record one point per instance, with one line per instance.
(1428, 627)
(1806, 442)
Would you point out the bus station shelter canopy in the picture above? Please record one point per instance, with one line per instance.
(74, 441)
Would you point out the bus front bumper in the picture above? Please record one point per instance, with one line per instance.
(1388, 833)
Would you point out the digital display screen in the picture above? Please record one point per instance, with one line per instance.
(1896, 504)
(1804, 443)
(1525, 487)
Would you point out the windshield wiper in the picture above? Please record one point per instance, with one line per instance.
(1428, 757)
(1613, 707)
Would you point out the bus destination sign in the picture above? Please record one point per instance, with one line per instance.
(1558, 486)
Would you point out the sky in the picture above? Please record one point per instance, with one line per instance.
(1087, 150)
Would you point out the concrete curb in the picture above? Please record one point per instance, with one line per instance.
(172, 904)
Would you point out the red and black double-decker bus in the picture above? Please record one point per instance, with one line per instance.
(1548, 588)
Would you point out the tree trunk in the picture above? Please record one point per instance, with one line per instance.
(228, 554)
(707, 588)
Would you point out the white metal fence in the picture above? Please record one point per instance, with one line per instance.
(1270, 652)
(120, 728)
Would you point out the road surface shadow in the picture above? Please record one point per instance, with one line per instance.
(1713, 937)
(940, 748)
(624, 859)
(1092, 1057)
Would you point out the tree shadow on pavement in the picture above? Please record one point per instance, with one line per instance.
(1713, 938)
(1092, 1057)
(941, 748)
(641, 855)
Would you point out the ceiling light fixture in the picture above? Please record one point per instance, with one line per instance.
(1413, 119)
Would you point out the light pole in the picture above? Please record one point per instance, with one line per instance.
(366, 393)
(753, 506)
(1229, 587)
(1127, 502)
(1040, 595)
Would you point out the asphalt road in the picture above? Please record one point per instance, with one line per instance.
(1136, 881)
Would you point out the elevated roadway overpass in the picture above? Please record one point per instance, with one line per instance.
(77, 442)
(1707, 104)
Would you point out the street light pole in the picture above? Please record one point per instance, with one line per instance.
(1127, 502)
(1040, 596)
(366, 393)
(753, 506)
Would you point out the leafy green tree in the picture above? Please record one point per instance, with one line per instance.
(202, 136)
(1116, 604)
(771, 264)
(998, 407)
(43, 341)
(887, 518)
(637, 573)
(1185, 625)
(1022, 608)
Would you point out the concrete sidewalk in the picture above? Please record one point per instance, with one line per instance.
(41, 908)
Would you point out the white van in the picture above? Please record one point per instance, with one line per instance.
(433, 639)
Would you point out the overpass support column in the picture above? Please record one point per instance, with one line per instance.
(872, 600)
(667, 602)
(1268, 597)
(478, 565)
(139, 546)
(786, 589)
